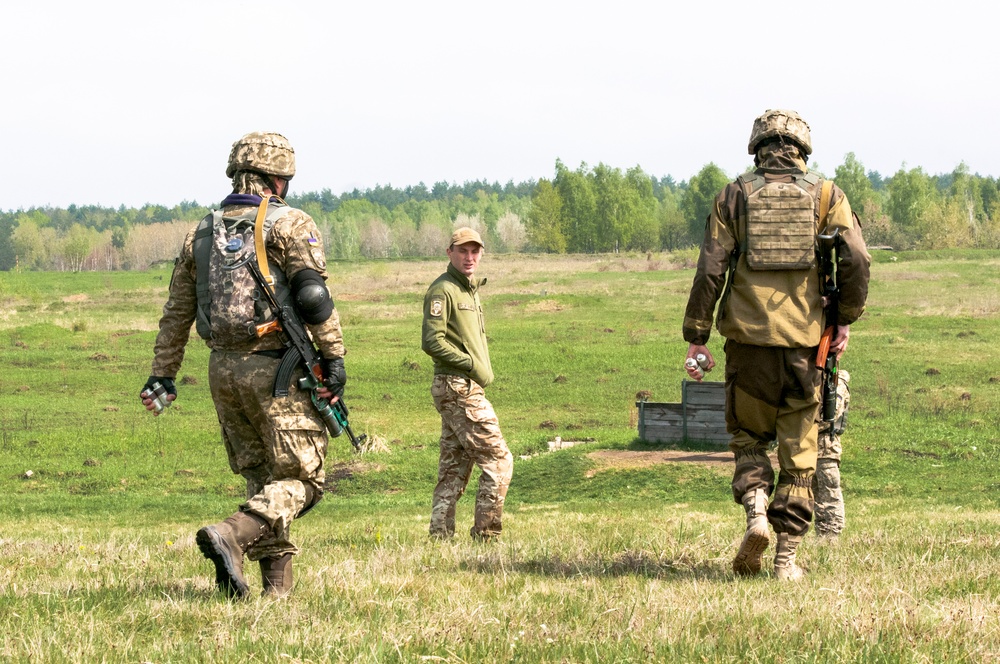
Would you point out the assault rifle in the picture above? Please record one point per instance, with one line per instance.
(829, 249)
(301, 353)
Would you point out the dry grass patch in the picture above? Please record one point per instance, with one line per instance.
(545, 306)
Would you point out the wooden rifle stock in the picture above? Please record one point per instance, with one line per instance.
(824, 347)
(268, 328)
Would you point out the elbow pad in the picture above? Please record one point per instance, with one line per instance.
(312, 299)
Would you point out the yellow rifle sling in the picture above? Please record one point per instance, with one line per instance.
(258, 241)
(824, 201)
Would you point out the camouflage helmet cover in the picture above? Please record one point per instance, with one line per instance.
(778, 122)
(264, 152)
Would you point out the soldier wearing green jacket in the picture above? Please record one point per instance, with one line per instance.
(454, 335)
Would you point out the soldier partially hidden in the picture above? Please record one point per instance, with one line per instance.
(762, 230)
(454, 334)
(829, 517)
(277, 444)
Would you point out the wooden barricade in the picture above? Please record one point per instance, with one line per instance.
(699, 417)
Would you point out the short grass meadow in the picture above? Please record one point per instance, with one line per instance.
(597, 563)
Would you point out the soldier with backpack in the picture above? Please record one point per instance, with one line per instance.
(277, 443)
(759, 257)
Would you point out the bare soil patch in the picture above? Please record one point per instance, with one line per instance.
(345, 471)
(627, 459)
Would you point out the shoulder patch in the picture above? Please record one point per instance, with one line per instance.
(437, 306)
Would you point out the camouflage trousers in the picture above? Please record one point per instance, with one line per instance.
(278, 444)
(826, 485)
(774, 393)
(470, 435)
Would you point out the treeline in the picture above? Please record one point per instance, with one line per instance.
(587, 209)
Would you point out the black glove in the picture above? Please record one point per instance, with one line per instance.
(334, 376)
(167, 383)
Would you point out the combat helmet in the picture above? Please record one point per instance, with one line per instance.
(264, 152)
(778, 122)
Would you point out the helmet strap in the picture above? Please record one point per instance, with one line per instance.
(274, 188)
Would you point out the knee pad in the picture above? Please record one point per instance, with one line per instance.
(312, 299)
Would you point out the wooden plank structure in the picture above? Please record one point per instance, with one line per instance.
(699, 417)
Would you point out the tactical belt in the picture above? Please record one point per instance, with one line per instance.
(276, 353)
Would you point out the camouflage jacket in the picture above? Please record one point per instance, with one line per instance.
(454, 330)
(293, 244)
(771, 307)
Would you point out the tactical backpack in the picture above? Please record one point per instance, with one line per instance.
(230, 307)
(780, 224)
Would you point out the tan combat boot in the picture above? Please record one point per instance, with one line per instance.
(225, 544)
(276, 573)
(785, 568)
(750, 558)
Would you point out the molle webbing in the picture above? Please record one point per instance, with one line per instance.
(780, 228)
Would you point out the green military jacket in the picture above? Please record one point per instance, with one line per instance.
(454, 330)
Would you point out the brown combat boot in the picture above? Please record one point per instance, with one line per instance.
(225, 543)
(750, 558)
(276, 573)
(785, 568)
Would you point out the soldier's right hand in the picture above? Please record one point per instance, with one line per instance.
(148, 398)
(839, 342)
(697, 372)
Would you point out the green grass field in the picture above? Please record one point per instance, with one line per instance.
(597, 563)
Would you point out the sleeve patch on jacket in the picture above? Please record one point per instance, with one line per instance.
(437, 306)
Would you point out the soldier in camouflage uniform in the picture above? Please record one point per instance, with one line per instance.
(277, 444)
(829, 514)
(454, 334)
(762, 232)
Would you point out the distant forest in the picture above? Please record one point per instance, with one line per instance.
(582, 210)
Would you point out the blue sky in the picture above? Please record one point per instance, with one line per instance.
(130, 102)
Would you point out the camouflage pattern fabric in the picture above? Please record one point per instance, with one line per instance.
(470, 435)
(774, 393)
(780, 223)
(778, 122)
(262, 151)
(235, 305)
(293, 244)
(830, 515)
(278, 445)
(178, 313)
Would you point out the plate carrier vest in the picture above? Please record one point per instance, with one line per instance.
(780, 226)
